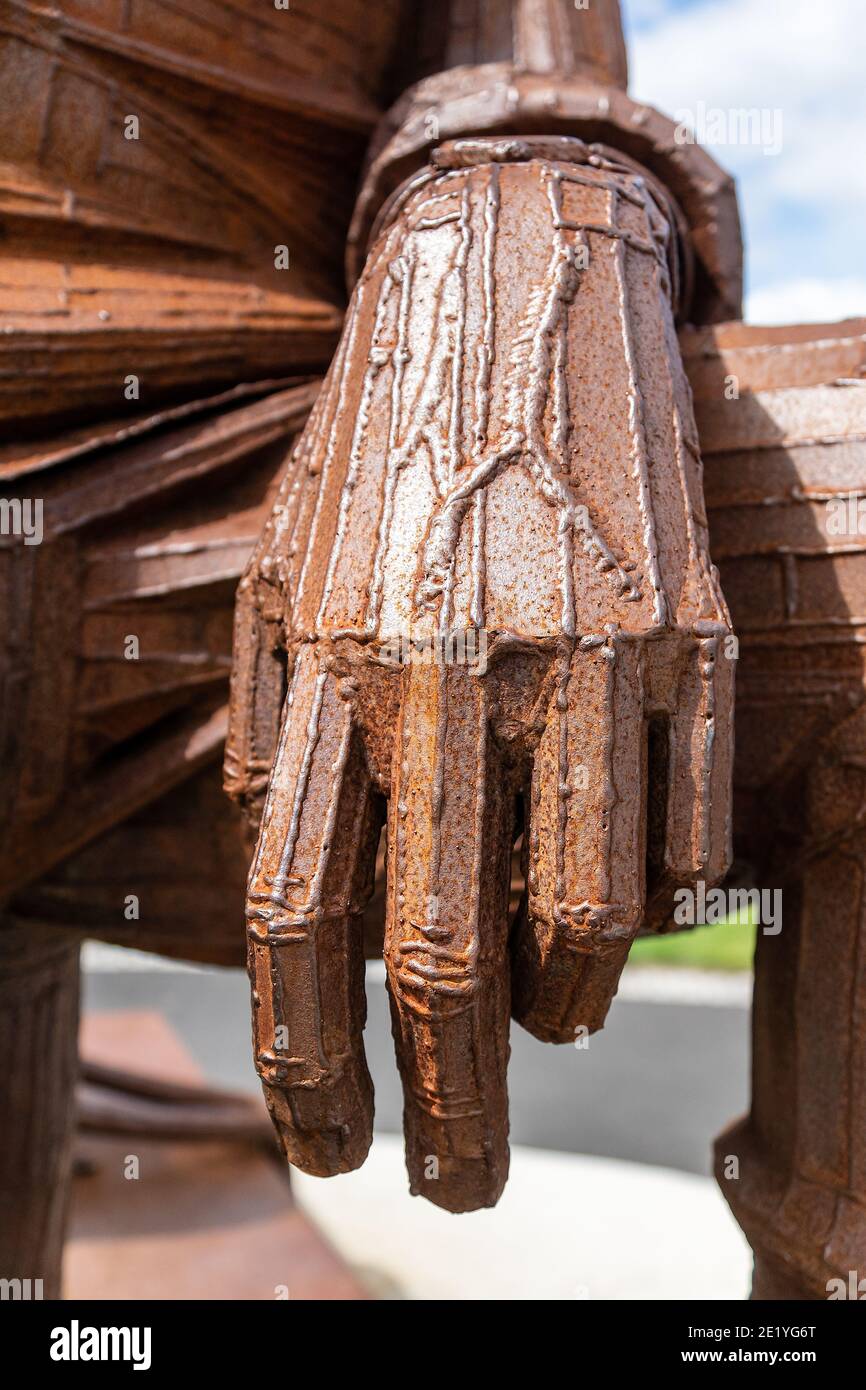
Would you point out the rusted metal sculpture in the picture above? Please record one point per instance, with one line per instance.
(138, 287)
(509, 352)
(785, 467)
(502, 469)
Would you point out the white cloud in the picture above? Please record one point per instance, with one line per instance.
(804, 210)
(808, 301)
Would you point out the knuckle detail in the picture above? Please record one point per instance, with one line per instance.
(432, 978)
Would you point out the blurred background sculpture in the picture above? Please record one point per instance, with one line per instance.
(505, 444)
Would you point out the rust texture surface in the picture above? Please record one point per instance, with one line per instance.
(151, 159)
(502, 475)
(480, 613)
(784, 465)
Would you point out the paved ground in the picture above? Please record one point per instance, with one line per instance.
(566, 1227)
(608, 1197)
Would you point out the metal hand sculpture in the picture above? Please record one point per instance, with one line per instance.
(488, 572)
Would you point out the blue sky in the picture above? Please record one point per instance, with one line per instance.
(803, 63)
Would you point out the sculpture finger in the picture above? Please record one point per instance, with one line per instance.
(258, 678)
(258, 687)
(311, 875)
(450, 825)
(697, 823)
(583, 904)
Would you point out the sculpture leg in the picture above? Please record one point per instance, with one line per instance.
(794, 1172)
(38, 1064)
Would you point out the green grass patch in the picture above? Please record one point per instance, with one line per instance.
(728, 945)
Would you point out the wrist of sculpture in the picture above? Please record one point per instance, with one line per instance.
(561, 73)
